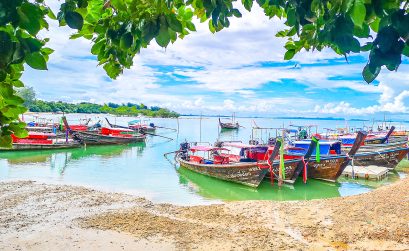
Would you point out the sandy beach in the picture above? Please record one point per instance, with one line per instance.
(35, 216)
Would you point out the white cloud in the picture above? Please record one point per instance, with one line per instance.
(229, 78)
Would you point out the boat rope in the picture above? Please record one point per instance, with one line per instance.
(174, 158)
(305, 170)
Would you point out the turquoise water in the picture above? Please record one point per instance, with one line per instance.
(141, 169)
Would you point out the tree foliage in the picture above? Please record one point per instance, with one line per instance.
(130, 109)
(119, 29)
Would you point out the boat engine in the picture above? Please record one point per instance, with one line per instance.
(272, 141)
(183, 151)
(253, 142)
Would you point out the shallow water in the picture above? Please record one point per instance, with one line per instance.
(141, 169)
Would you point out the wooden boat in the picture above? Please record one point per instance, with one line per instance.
(379, 139)
(376, 147)
(229, 125)
(266, 159)
(388, 158)
(332, 161)
(141, 126)
(105, 136)
(217, 165)
(40, 141)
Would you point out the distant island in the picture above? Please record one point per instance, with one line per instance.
(129, 109)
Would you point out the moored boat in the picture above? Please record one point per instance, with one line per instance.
(221, 165)
(105, 136)
(331, 162)
(141, 126)
(40, 141)
(388, 158)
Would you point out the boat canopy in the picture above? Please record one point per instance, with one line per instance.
(326, 147)
(134, 122)
(237, 145)
(207, 148)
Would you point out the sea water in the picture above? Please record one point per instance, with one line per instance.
(141, 169)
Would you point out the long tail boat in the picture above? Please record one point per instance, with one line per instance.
(218, 165)
(380, 140)
(105, 136)
(229, 125)
(332, 163)
(388, 158)
(142, 126)
(292, 166)
(40, 141)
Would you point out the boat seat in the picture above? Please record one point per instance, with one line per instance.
(231, 157)
(196, 159)
(219, 159)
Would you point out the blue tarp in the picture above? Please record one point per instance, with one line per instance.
(325, 147)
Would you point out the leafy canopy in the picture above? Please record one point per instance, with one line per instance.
(119, 29)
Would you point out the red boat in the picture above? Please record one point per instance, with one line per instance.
(105, 135)
(41, 141)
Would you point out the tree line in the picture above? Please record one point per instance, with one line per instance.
(129, 109)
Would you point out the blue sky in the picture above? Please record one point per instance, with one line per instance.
(240, 69)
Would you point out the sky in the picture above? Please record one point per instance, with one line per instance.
(240, 69)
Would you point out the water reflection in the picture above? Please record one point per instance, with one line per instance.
(58, 160)
(213, 188)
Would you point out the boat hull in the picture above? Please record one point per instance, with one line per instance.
(388, 158)
(245, 173)
(28, 147)
(91, 138)
(377, 147)
(328, 169)
(290, 167)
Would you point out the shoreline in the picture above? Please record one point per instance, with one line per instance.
(39, 216)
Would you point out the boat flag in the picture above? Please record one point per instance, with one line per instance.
(282, 167)
(317, 149)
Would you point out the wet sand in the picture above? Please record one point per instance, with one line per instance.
(35, 216)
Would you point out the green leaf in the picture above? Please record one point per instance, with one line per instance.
(247, 4)
(96, 48)
(112, 69)
(6, 49)
(375, 24)
(211, 27)
(3, 75)
(406, 50)
(5, 141)
(188, 15)
(236, 13)
(36, 61)
(18, 83)
(150, 30)
(190, 26)
(369, 74)
(358, 12)
(74, 20)
(367, 47)
(289, 54)
(163, 38)
(119, 5)
(47, 51)
(51, 14)
(126, 41)
(174, 23)
(291, 17)
(29, 18)
(355, 46)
